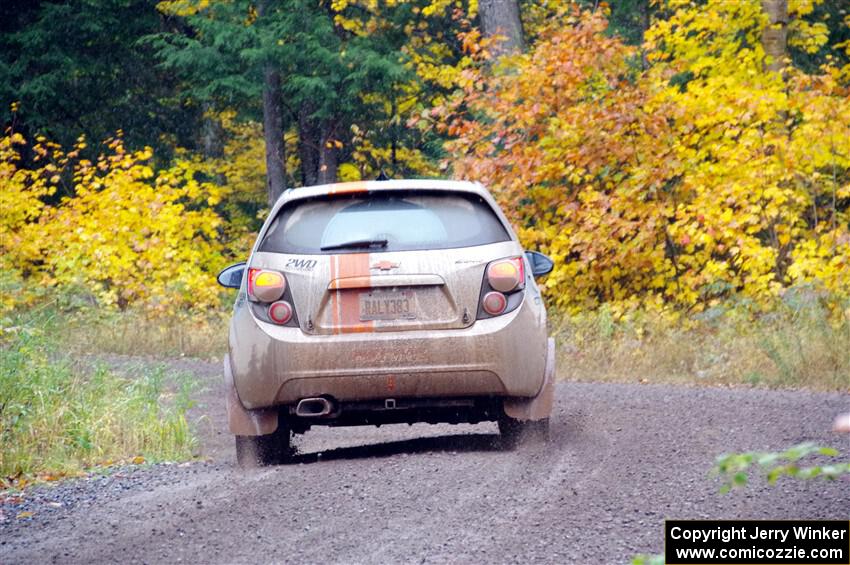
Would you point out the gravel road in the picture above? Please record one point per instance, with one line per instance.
(621, 459)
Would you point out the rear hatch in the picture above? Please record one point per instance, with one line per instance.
(384, 261)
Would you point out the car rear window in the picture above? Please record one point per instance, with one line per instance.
(406, 220)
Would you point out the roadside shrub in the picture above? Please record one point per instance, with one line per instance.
(127, 233)
(681, 174)
(735, 468)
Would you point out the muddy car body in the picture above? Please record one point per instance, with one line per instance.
(384, 302)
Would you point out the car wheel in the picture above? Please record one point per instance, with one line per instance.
(514, 432)
(260, 451)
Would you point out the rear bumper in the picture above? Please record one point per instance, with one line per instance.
(273, 365)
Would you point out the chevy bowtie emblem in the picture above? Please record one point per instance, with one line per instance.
(385, 265)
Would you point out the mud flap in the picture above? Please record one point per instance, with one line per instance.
(244, 422)
(540, 406)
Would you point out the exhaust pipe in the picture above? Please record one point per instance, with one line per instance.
(314, 407)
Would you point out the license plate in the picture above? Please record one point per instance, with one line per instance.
(387, 305)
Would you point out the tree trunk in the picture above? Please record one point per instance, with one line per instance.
(501, 18)
(212, 138)
(308, 146)
(327, 154)
(774, 37)
(212, 134)
(273, 135)
(316, 148)
(272, 126)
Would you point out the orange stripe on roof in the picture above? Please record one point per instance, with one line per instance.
(348, 187)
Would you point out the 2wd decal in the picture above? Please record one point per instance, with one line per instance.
(301, 264)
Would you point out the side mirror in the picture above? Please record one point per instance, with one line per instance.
(540, 264)
(231, 277)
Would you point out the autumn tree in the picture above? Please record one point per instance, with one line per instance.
(702, 177)
(124, 231)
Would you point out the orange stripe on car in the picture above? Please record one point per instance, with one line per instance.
(345, 303)
(334, 295)
(348, 187)
(352, 265)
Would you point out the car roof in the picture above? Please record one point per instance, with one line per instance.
(381, 185)
(350, 188)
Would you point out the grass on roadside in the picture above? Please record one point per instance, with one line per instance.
(60, 417)
(804, 342)
(100, 331)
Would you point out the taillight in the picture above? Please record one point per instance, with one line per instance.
(265, 286)
(280, 312)
(494, 303)
(501, 291)
(506, 275)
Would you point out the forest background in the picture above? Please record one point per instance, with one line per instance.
(686, 163)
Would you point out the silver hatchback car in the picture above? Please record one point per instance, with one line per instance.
(382, 302)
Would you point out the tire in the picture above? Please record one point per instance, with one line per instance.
(261, 451)
(516, 432)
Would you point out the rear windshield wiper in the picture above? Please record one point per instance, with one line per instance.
(355, 244)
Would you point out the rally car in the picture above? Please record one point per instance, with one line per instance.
(380, 302)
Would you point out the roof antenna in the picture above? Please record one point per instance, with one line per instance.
(382, 176)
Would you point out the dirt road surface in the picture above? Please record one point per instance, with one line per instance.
(621, 459)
